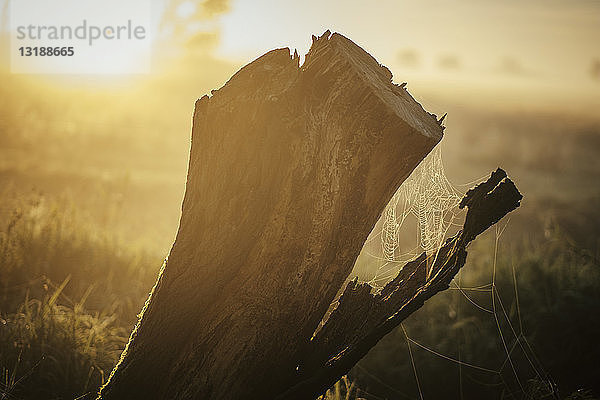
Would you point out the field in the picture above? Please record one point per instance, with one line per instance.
(91, 189)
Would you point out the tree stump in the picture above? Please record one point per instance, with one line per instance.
(290, 168)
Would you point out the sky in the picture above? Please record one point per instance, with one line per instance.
(503, 48)
(530, 52)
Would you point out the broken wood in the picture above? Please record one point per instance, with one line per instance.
(290, 168)
(361, 319)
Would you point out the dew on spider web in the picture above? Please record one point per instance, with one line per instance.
(426, 202)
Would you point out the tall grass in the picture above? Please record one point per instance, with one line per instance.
(69, 295)
(47, 240)
(52, 351)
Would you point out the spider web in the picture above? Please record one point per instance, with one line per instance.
(429, 201)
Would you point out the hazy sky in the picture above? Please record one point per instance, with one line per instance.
(507, 51)
(549, 47)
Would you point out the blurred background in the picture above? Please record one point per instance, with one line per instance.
(93, 168)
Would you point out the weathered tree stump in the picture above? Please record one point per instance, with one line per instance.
(290, 168)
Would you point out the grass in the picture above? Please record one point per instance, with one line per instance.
(46, 240)
(52, 351)
(70, 295)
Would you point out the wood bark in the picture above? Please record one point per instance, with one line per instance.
(290, 168)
